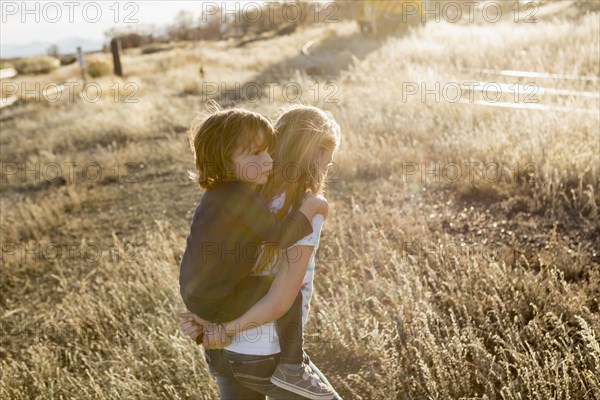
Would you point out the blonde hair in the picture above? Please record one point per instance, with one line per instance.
(302, 134)
(215, 138)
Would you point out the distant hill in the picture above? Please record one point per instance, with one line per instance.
(65, 46)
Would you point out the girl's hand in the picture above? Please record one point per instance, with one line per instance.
(191, 328)
(215, 337)
(192, 325)
(193, 317)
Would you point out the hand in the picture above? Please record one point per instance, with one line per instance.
(319, 202)
(193, 317)
(215, 337)
(309, 195)
(192, 325)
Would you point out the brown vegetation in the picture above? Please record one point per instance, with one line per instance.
(470, 288)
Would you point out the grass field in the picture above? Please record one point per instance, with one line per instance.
(461, 258)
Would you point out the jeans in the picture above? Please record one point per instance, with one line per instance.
(246, 376)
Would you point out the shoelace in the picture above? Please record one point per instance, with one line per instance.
(314, 381)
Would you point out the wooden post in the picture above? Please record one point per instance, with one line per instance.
(115, 46)
(81, 62)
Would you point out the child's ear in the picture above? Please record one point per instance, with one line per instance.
(231, 169)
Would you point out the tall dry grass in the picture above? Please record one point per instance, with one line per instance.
(424, 289)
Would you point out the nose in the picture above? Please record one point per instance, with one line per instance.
(268, 159)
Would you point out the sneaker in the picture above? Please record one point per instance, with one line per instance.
(300, 379)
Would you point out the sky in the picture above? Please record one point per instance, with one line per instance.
(53, 21)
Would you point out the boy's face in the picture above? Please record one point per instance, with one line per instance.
(252, 165)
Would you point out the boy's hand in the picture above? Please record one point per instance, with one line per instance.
(215, 337)
(319, 202)
(323, 206)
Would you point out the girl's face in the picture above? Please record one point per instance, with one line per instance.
(325, 158)
(253, 165)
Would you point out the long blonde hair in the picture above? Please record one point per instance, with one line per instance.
(302, 134)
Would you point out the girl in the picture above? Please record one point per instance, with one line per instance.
(306, 140)
(231, 222)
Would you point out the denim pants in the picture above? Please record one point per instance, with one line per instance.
(246, 376)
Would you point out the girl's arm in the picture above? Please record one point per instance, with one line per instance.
(281, 295)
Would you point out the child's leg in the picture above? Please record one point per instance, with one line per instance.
(247, 293)
(292, 373)
(289, 330)
(204, 308)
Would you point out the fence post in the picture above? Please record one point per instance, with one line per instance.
(81, 62)
(115, 46)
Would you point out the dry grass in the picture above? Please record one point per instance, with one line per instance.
(424, 290)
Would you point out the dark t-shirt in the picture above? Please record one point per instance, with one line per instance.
(230, 224)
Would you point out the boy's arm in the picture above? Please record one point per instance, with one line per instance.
(254, 211)
(281, 295)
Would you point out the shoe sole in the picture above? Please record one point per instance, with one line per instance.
(284, 385)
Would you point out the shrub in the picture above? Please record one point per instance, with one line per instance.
(5, 64)
(156, 47)
(37, 65)
(67, 60)
(98, 68)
